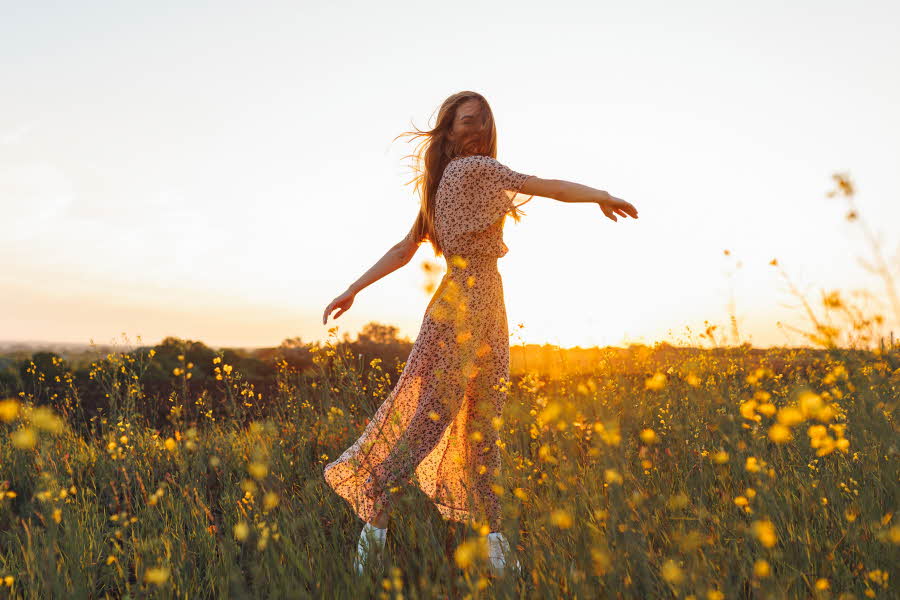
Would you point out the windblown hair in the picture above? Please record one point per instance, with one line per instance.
(436, 150)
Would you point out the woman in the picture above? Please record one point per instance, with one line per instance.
(439, 420)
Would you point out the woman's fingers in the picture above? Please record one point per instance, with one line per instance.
(619, 207)
(625, 209)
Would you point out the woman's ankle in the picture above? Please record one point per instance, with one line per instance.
(380, 521)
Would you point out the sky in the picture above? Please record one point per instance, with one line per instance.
(222, 171)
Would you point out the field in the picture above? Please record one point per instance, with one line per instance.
(657, 473)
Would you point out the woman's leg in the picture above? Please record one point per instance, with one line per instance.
(437, 406)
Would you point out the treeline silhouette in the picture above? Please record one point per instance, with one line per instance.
(79, 384)
(67, 381)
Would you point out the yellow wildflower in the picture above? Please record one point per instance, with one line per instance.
(560, 518)
(470, 551)
(748, 410)
(779, 433)
(9, 410)
(765, 532)
(671, 572)
(156, 575)
(767, 408)
(24, 438)
(810, 403)
(656, 382)
(258, 470)
(44, 418)
(270, 500)
(753, 464)
(648, 436)
(789, 416)
(241, 531)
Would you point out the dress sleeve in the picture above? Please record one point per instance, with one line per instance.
(503, 185)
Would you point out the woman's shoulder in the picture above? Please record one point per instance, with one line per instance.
(480, 164)
(475, 158)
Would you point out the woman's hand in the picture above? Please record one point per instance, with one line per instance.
(612, 206)
(343, 302)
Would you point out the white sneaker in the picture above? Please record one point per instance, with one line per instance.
(371, 542)
(498, 550)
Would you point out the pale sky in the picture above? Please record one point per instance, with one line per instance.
(221, 171)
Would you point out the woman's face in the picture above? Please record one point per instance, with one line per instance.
(466, 130)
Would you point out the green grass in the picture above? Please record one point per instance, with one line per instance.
(591, 508)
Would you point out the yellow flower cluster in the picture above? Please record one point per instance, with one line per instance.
(743, 501)
(810, 405)
(656, 382)
(124, 521)
(758, 404)
(609, 433)
(155, 496)
(754, 465)
(34, 420)
(758, 374)
(764, 530)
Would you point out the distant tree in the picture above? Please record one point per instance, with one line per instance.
(10, 382)
(292, 343)
(378, 333)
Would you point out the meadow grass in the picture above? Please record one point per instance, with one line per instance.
(711, 474)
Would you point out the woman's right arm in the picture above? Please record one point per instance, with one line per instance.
(569, 191)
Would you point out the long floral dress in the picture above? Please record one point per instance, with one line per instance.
(438, 421)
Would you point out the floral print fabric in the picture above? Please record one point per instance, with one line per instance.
(438, 422)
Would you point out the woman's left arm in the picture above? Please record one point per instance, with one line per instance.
(397, 256)
(569, 191)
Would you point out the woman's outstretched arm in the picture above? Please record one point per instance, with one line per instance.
(569, 191)
(398, 255)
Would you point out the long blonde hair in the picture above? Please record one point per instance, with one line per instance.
(435, 151)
